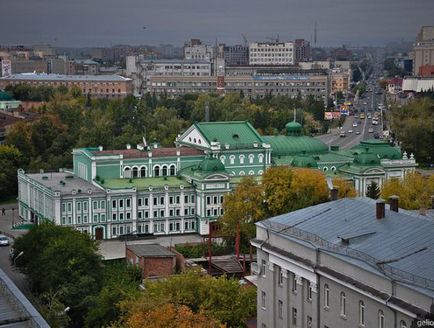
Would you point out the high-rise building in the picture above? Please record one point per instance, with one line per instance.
(271, 53)
(423, 51)
(302, 50)
(236, 55)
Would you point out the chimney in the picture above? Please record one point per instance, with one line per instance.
(394, 203)
(100, 148)
(334, 193)
(380, 209)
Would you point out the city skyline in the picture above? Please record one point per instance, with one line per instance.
(98, 23)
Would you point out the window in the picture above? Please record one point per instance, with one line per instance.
(294, 283)
(102, 217)
(280, 275)
(78, 206)
(121, 216)
(161, 200)
(380, 319)
(309, 322)
(326, 296)
(280, 309)
(208, 200)
(309, 292)
(139, 200)
(103, 204)
(185, 199)
(143, 172)
(128, 203)
(69, 207)
(114, 231)
(146, 201)
(192, 198)
(343, 304)
(402, 324)
(95, 205)
(361, 313)
(128, 215)
(121, 203)
(263, 267)
(172, 170)
(294, 316)
(156, 171)
(171, 200)
(155, 201)
(85, 206)
(164, 171)
(114, 216)
(263, 299)
(114, 203)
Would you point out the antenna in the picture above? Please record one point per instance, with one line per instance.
(314, 35)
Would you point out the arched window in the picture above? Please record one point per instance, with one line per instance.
(402, 324)
(251, 158)
(172, 169)
(222, 159)
(156, 171)
(325, 168)
(333, 168)
(164, 170)
(242, 159)
(343, 304)
(143, 171)
(232, 159)
(127, 172)
(261, 158)
(361, 313)
(251, 172)
(260, 172)
(242, 173)
(135, 172)
(380, 319)
(326, 296)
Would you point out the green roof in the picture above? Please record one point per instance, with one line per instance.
(231, 133)
(293, 128)
(211, 164)
(144, 183)
(304, 161)
(4, 96)
(367, 158)
(295, 145)
(381, 148)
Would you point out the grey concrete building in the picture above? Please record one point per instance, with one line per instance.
(345, 263)
(423, 50)
(236, 55)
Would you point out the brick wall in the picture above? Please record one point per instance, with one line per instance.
(157, 266)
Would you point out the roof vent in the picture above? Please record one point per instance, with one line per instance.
(394, 203)
(44, 177)
(380, 209)
(235, 136)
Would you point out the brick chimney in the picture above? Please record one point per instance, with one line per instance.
(380, 209)
(334, 193)
(394, 203)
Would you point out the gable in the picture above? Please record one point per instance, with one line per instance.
(194, 137)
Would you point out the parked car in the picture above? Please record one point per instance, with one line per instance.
(4, 241)
(371, 130)
(342, 135)
(354, 124)
(350, 131)
(357, 132)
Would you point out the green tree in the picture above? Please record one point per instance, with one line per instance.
(373, 191)
(10, 160)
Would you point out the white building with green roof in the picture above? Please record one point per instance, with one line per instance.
(179, 190)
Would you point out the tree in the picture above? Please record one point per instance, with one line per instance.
(10, 160)
(221, 299)
(276, 182)
(309, 187)
(373, 191)
(345, 188)
(414, 190)
(63, 261)
(242, 208)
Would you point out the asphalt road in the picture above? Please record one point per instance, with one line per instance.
(367, 104)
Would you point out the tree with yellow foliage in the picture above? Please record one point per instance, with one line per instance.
(414, 190)
(345, 188)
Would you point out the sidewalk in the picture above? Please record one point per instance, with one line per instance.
(10, 217)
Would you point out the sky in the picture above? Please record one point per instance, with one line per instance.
(110, 22)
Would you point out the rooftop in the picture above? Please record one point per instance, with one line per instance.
(52, 180)
(62, 77)
(293, 145)
(400, 244)
(150, 250)
(144, 183)
(156, 152)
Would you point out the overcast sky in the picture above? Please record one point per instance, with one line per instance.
(109, 22)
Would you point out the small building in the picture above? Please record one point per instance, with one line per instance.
(394, 85)
(154, 260)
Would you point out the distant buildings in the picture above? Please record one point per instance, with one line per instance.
(100, 86)
(236, 55)
(196, 50)
(423, 53)
(302, 50)
(271, 53)
(345, 263)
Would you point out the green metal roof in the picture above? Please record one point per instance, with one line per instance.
(367, 158)
(293, 128)
(304, 161)
(381, 148)
(211, 164)
(231, 133)
(4, 96)
(144, 183)
(294, 145)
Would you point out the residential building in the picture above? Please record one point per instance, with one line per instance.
(394, 86)
(100, 86)
(236, 55)
(415, 84)
(154, 260)
(196, 50)
(340, 81)
(344, 263)
(423, 49)
(302, 50)
(271, 53)
(83, 67)
(7, 103)
(160, 191)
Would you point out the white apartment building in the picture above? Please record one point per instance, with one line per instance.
(196, 50)
(271, 53)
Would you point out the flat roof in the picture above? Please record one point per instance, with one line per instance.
(51, 180)
(150, 250)
(145, 183)
(62, 77)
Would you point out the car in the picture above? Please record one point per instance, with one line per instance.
(354, 124)
(357, 132)
(371, 130)
(4, 241)
(342, 135)
(350, 131)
